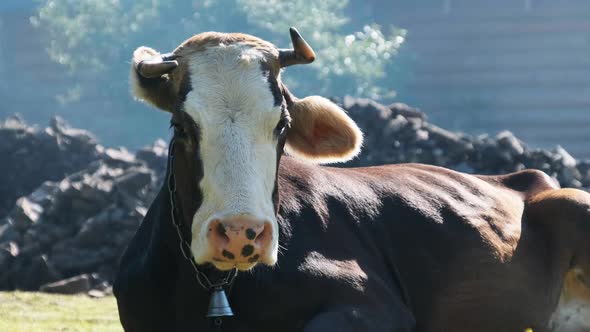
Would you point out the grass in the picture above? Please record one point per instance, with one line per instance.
(40, 312)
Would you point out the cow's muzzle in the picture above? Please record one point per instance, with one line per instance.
(240, 242)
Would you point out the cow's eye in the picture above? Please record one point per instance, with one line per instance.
(281, 127)
(179, 131)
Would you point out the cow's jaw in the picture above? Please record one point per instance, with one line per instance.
(233, 106)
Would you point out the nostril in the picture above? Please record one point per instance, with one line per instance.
(264, 236)
(250, 234)
(218, 233)
(222, 233)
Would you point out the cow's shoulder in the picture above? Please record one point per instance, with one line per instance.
(529, 182)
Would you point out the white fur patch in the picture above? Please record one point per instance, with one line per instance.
(232, 103)
(573, 311)
(573, 316)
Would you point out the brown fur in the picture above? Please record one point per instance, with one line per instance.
(564, 214)
(474, 253)
(200, 42)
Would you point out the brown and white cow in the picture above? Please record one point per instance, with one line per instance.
(391, 248)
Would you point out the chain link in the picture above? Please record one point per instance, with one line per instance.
(185, 247)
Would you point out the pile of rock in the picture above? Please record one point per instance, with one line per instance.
(68, 206)
(77, 226)
(31, 156)
(399, 134)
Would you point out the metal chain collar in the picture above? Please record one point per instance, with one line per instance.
(185, 247)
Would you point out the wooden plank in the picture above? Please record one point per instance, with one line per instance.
(402, 11)
(410, 19)
(575, 43)
(530, 118)
(574, 74)
(582, 102)
(542, 125)
(473, 83)
(514, 102)
(474, 34)
(499, 59)
(551, 136)
(468, 68)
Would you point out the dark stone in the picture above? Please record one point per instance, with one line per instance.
(134, 180)
(508, 141)
(154, 156)
(31, 273)
(31, 156)
(74, 285)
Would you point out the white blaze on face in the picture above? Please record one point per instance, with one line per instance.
(233, 106)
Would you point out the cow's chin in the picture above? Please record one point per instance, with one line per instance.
(224, 265)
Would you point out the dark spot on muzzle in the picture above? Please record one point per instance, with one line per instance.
(254, 258)
(221, 229)
(228, 254)
(250, 234)
(247, 250)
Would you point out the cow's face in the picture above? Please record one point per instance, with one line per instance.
(232, 117)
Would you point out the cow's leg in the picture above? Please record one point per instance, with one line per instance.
(362, 319)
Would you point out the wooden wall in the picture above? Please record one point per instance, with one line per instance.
(483, 65)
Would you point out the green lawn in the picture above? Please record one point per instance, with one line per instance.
(40, 312)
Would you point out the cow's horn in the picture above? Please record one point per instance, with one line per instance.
(157, 66)
(300, 54)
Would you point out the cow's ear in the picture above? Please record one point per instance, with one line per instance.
(150, 83)
(321, 131)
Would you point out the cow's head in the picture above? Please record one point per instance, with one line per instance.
(232, 119)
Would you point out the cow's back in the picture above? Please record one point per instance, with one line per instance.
(458, 241)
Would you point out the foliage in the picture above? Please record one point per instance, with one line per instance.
(39, 312)
(346, 63)
(92, 37)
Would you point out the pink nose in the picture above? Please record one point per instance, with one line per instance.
(239, 239)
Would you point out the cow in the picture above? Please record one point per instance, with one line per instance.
(248, 210)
